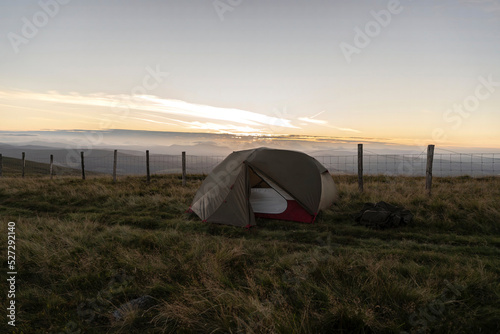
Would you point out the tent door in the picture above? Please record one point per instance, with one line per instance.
(268, 200)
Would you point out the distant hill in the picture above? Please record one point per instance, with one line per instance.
(13, 167)
(100, 161)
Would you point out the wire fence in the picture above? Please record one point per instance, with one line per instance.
(450, 164)
(98, 164)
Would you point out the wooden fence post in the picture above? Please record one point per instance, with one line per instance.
(1, 164)
(51, 168)
(428, 170)
(115, 158)
(23, 162)
(183, 169)
(83, 165)
(360, 167)
(148, 176)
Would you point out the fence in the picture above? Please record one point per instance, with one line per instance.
(450, 164)
(36, 164)
(102, 163)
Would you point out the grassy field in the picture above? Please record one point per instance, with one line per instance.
(86, 247)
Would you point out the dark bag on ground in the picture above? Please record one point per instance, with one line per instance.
(383, 215)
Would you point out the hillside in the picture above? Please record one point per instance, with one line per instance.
(86, 247)
(13, 167)
(100, 161)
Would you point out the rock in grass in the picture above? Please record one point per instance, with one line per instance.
(140, 303)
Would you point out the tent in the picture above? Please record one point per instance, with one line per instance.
(263, 182)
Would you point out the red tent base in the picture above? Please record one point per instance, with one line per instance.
(293, 212)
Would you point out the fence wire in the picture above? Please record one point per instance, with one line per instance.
(444, 164)
(453, 164)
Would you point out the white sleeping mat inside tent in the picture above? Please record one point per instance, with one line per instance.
(267, 200)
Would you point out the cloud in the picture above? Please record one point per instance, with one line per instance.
(313, 121)
(346, 129)
(159, 106)
(157, 110)
(197, 125)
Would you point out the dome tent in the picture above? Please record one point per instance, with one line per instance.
(263, 182)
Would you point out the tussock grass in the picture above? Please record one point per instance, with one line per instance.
(86, 247)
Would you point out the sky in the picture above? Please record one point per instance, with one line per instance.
(397, 72)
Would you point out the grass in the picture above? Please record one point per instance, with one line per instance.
(86, 247)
